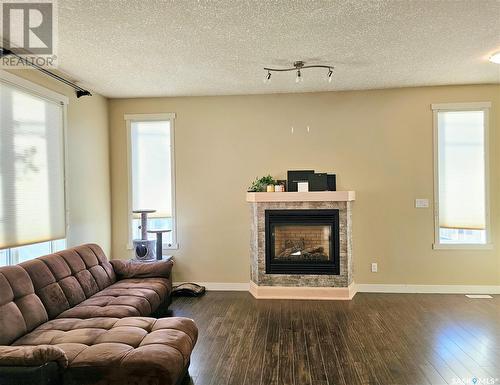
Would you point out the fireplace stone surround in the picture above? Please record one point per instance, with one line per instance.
(301, 286)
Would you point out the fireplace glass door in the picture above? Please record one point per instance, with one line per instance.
(302, 241)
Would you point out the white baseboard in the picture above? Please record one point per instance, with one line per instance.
(223, 286)
(429, 289)
(375, 288)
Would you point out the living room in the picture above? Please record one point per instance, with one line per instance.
(250, 192)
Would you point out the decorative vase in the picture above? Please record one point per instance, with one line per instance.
(270, 188)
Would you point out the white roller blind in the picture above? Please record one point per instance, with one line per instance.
(151, 167)
(461, 152)
(32, 204)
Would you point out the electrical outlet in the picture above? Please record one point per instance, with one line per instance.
(374, 267)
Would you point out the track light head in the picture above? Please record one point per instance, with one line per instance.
(330, 75)
(5, 52)
(80, 93)
(267, 79)
(299, 78)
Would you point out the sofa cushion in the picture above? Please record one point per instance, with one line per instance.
(65, 279)
(125, 298)
(20, 308)
(117, 349)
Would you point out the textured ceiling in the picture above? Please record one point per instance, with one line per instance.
(144, 48)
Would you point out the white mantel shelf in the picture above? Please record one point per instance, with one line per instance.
(311, 196)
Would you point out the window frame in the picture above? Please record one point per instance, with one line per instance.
(12, 256)
(166, 116)
(45, 93)
(450, 107)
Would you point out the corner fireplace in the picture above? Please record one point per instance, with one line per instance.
(302, 241)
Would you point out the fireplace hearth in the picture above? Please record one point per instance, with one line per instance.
(302, 241)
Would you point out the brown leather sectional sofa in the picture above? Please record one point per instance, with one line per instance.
(76, 318)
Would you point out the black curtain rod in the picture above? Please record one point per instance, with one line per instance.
(79, 90)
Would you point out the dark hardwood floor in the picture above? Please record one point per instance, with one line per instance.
(374, 339)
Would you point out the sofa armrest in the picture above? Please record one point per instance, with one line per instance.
(127, 269)
(32, 355)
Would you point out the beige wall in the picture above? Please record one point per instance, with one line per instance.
(88, 181)
(378, 142)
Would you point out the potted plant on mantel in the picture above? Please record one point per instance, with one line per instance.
(266, 183)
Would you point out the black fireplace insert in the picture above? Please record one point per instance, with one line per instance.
(302, 241)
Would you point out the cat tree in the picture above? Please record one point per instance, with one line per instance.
(144, 248)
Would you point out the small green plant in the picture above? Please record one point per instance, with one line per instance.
(260, 184)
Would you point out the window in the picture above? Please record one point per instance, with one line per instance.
(461, 175)
(32, 191)
(20, 254)
(151, 172)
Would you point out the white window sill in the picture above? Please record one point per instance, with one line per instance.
(175, 246)
(462, 246)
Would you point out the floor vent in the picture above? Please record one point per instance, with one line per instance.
(477, 296)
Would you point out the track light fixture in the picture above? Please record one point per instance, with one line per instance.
(78, 90)
(299, 66)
